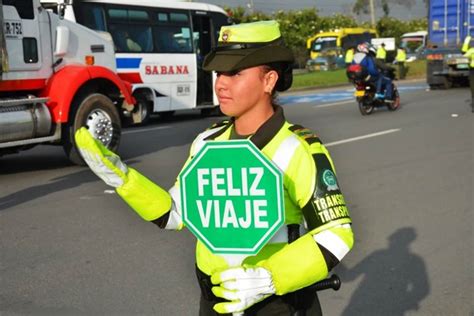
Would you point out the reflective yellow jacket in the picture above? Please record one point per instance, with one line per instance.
(312, 199)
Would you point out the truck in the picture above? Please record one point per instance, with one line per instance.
(449, 23)
(56, 77)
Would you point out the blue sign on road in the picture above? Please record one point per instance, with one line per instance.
(333, 96)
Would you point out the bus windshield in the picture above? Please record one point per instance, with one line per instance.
(323, 43)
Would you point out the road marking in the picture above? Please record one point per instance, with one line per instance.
(325, 105)
(145, 129)
(353, 139)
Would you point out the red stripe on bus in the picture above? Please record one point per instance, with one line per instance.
(132, 77)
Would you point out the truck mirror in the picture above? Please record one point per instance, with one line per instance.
(61, 10)
(62, 41)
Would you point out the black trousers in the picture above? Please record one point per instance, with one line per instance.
(401, 70)
(304, 302)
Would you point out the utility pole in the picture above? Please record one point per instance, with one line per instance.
(250, 6)
(372, 13)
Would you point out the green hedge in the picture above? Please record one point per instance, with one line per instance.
(298, 26)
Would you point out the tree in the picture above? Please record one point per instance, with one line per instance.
(362, 6)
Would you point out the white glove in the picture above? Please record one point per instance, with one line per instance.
(243, 287)
(104, 163)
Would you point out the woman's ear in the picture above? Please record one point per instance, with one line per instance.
(270, 81)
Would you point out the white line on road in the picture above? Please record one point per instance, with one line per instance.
(353, 139)
(145, 129)
(325, 105)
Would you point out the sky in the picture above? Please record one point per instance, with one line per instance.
(325, 7)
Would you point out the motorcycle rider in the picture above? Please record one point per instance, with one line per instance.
(365, 57)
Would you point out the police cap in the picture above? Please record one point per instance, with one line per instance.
(248, 45)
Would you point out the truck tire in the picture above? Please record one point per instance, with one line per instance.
(100, 116)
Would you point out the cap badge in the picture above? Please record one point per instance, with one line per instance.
(225, 36)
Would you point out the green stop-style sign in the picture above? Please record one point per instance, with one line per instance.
(232, 197)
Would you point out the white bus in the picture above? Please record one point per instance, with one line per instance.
(160, 46)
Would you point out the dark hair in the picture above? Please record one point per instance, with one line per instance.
(285, 75)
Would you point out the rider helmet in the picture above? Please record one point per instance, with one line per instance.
(363, 48)
(372, 49)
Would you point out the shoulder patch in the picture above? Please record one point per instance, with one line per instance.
(304, 133)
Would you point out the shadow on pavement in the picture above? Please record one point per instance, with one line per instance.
(394, 279)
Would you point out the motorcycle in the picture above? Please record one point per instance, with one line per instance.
(365, 91)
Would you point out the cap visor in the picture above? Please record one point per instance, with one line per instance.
(223, 61)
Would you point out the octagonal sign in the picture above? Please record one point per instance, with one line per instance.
(232, 197)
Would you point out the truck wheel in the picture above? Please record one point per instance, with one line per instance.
(100, 116)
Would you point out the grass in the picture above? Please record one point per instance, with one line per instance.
(321, 79)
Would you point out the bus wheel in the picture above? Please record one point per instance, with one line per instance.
(99, 115)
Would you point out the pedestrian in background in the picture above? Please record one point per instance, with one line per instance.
(349, 56)
(400, 59)
(252, 64)
(468, 50)
(381, 53)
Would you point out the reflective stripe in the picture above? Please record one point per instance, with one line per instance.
(199, 142)
(285, 152)
(175, 221)
(333, 243)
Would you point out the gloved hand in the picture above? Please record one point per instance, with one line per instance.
(242, 286)
(104, 163)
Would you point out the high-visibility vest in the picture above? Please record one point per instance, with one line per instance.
(401, 55)
(381, 53)
(349, 56)
(470, 55)
(466, 44)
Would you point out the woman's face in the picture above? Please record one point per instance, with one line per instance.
(239, 92)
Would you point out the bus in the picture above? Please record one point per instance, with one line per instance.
(160, 46)
(338, 40)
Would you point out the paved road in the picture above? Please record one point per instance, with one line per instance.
(70, 246)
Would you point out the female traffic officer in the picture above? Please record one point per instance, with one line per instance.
(252, 63)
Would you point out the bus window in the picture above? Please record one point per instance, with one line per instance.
(173, 33)
(324, 42)
(218, 20)
(91, 16)
(130, 30)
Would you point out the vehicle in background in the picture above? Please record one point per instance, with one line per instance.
(328, 59)
(449, 23)
(56, 76)
(414, 44)
(365, 90)
(160, 47)
(343, 38)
